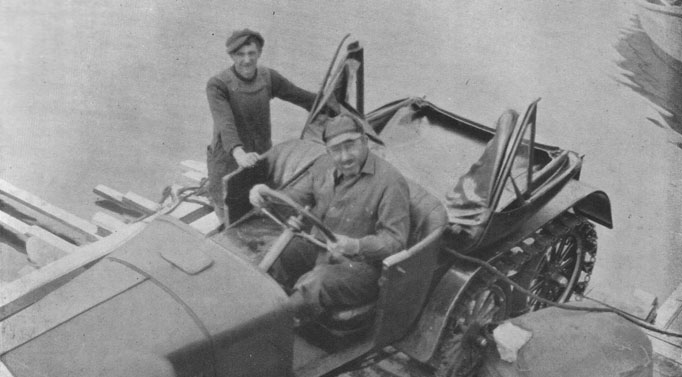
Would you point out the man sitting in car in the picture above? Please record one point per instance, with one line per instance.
(364, 201)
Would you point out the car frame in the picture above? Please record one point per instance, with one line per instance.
(170, 301)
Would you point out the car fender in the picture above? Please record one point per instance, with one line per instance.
(422, 341)
(584, 199)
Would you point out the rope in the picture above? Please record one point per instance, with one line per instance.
(604, 309)
(183, 195)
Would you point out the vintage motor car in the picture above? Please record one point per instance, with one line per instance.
(170, 302)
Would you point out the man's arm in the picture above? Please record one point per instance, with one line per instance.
(221, 111)
(301, 192)
(223, 120)
(287, 91)
(393, 223)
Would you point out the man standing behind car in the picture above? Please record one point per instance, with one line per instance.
(364, 201)
(239, 99)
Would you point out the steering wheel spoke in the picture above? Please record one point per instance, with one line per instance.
(273, 217)
(279, 198)
(312, 239)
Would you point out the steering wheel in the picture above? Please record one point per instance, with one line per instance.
(292, 224)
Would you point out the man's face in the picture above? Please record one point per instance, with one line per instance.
(246, 59)
(349, 155)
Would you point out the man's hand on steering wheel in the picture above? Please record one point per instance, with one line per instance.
(340, 247)
(255, 196)
(344, 245)
(261, 196)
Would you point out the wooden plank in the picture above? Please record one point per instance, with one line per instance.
(671, 341)
(207, 225)
(25, 231)
(108, 193)
(665, 349)
(196, 166)
(185, 208)
(670, 309)
(193, 178)
(52, 239)
(22, 292)
(203, 200)
(42, 253)
(14, 225)
(108, 222)
(196, 215)
(140, 203)
(45, 208)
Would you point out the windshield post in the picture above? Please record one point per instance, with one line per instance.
(357, 52)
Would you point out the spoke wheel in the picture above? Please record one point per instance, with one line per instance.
(564, 256)
(557, 271)
(463, 345)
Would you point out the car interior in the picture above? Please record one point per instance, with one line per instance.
(404, 283)
(413, 139)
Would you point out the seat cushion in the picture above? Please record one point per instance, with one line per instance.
(288, 158)
(427, 213)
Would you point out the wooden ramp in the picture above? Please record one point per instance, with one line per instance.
(668, 350)
(197, 213)
(53, 256)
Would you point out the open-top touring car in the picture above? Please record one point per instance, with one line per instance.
(170, 301)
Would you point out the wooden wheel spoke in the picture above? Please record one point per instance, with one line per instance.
(567, 262)
(489, 315)
(480, 302)
(537, 285)
(471, 307)
(567, 246)
(489, 304)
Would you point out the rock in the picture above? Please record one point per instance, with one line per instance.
(576, 344)
(509, 339)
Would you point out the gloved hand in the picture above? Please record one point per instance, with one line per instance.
(255, 196)
(245, 160)
(344, 245)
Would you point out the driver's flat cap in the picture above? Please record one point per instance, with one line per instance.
(341, 128)
(239, 37)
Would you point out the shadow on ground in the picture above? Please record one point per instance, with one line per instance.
(652, 73)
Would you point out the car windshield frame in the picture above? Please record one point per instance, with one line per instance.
(511, 154)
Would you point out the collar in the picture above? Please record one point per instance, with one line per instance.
(242, 78)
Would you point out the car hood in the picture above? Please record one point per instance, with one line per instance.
(169, 292)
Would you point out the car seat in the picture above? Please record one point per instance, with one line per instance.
(427, 220)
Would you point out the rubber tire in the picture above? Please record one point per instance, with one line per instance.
(562, 227)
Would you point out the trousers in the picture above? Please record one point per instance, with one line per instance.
(324, 282)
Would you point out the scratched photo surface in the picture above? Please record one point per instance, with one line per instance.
(113, 93)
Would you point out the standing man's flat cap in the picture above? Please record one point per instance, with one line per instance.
(238, 37)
